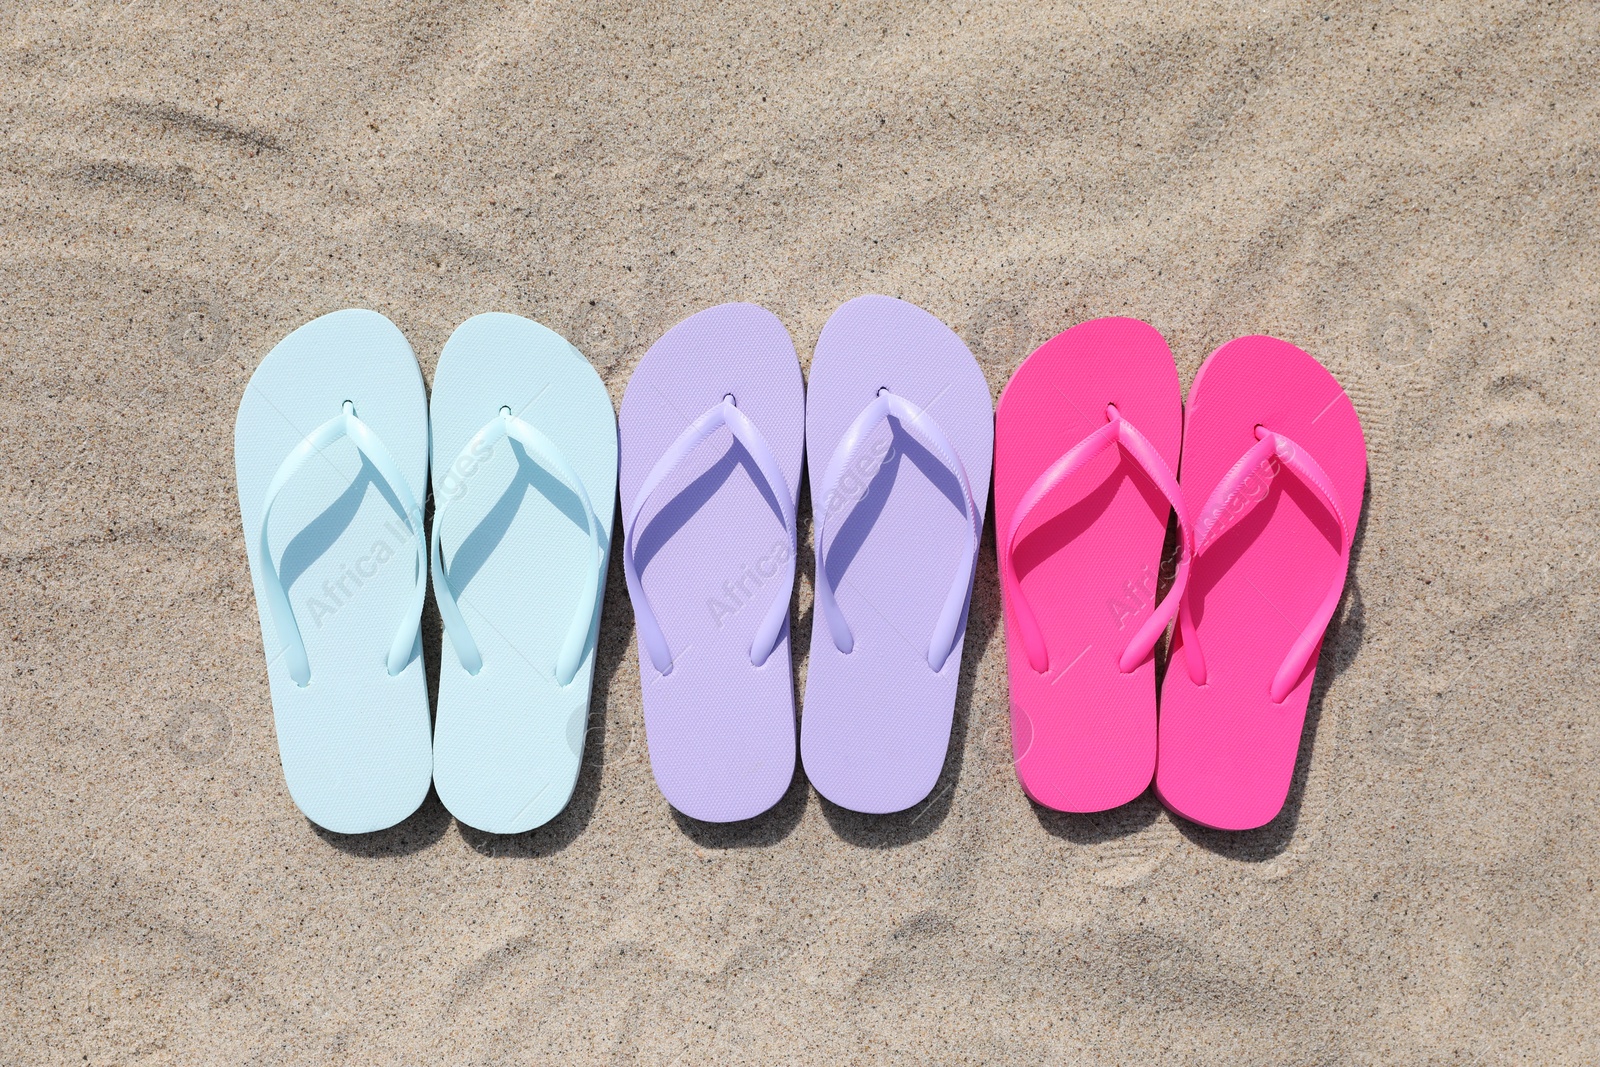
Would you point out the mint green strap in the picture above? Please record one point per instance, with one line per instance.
(550, 458)
(344, 424)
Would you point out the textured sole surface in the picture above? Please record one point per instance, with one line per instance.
(509, 740)
(1227, 751)
(875, 726)
(711, 547)
(355, 743)
(1088, 560)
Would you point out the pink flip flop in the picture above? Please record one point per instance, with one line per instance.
(1273, 468)
(1086, 441)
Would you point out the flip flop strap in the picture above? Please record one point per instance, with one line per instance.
(946, 629)
(345, 424)
(1116, 431)
(1236, 494)
(542, 449)
(726, 413)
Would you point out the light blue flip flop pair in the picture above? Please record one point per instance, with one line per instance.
(332, 448)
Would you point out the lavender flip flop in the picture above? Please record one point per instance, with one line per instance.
(900, 427)
(712, 433)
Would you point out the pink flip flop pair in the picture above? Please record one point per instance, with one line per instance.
(1088, 434)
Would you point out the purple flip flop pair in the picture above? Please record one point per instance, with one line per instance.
(899, 423)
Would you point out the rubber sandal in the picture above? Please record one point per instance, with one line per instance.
(1086, 441)
(331, 453)
(1274, 465)
(900, 428)
(524, 490)
(713, 432)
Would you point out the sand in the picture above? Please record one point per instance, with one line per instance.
(1408, 192)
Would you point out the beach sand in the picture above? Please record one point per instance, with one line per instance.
(1407, 192)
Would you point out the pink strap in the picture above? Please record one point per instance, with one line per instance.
(1117, 430)
(1235, 495)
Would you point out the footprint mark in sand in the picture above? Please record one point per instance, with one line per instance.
(1399, 336)
(1322, 772)
(1129, 861)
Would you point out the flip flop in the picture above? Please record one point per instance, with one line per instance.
(524, 490)
(1273, 469)
(900, 427)
(331, 452)
(713, 431)
(1086, 442)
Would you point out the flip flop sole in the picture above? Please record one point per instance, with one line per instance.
(354, 741)
(509, 739)
(712, 550)
(875, 728)
(1227, 750)
(1088, 560)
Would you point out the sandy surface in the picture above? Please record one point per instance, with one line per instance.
(1408, 192)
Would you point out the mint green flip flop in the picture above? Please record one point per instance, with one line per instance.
(524, 491)
(331, 452)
